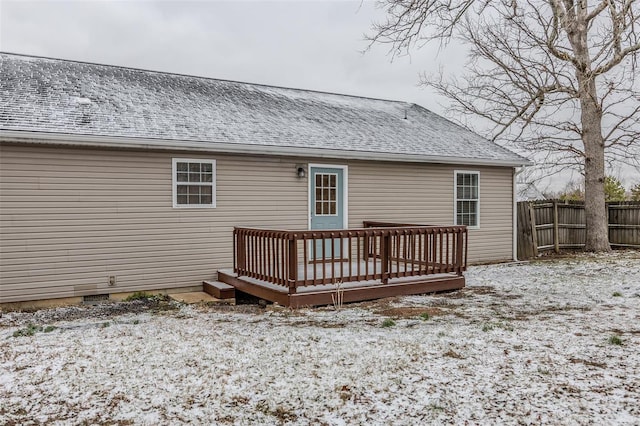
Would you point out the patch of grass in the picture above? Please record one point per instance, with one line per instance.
(425, 316)
(615, 340)
(105, 324)
(29, 330)
(32, 329)
(453, 354)
(281, 413)
(344, 392)
(617, 294)
(493, 325)
(388, 323)
(544, 371)
(138, 295)
(284, 415)
(435, 407)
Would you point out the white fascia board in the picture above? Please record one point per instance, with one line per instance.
(233, 148)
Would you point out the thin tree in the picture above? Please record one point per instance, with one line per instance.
(558, 77)
(613, 189)
(635, 192)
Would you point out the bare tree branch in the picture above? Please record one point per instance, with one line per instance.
(544, 76)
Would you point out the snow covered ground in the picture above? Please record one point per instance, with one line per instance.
(523, 343)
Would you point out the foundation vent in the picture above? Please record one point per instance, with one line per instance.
(95, 299)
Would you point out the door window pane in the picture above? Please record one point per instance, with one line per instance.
(326, 193)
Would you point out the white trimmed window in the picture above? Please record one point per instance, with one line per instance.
(467, 198)
(194, 183)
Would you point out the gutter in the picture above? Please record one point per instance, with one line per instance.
(30, 137)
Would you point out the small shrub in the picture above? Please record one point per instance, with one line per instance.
(617, 294)
(615, 340)
(424, 316)
(388, 323)
(338, 297)
(29, 330)
(105, 324)
(136, 321)
(49, 329)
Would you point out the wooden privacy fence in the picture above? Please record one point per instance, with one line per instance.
(379, 251)
(555, 225)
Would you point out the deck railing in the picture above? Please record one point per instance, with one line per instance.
(379, 251)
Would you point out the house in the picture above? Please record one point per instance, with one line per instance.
(114, 180)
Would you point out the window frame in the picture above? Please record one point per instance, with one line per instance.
(175, 183)
(335, 201)
(456, 199)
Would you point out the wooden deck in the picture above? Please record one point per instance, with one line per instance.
(307, 268)
(354, 291)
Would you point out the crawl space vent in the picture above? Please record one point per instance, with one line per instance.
(95, 298)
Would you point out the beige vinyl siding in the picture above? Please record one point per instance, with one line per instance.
(424, 194)
(70, 218)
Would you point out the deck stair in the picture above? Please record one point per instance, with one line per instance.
(219, 289)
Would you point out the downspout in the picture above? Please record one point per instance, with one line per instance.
(514, 209)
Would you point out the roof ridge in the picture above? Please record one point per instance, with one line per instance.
(205, 78)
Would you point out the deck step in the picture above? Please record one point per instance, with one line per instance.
(219, 289)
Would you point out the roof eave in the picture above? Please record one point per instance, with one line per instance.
(22, 136)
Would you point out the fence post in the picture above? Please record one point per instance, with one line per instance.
(534, 229)
(608, 222)
(293, 263)
(556, 236)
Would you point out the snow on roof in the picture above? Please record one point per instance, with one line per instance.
(53, 96)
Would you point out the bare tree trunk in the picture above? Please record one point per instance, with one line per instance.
(594, 198)
(591, 119)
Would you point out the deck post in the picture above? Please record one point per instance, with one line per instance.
(366, 248)
(385, 254)
(459, 248)
(293, 263)
(240, 251)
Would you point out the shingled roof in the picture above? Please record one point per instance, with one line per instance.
(61, 101)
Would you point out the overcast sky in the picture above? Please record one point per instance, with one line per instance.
(302, 44)
(311, 45)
